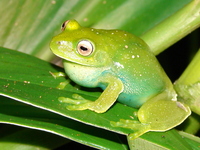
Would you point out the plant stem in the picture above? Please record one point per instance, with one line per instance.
(173, 28)
(192, 73)
(188, 85)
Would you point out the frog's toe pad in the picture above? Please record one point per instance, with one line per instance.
(62, 85)
(131, 124)
(76, 107)
(76, 104)
(125, 123)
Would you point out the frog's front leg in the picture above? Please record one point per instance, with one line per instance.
(62, 85)
(103, 103)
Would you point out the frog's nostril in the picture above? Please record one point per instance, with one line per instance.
(61, 42)
(58, 42)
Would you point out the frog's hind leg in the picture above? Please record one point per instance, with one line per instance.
(158, 114)
(163, 113)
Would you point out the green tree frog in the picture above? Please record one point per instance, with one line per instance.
(124, 67)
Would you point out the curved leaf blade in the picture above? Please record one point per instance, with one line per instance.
(27, 79)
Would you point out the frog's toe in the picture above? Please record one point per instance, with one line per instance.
(124, 123)
(77, 107)
(138, 133)
(76, 104)
(68, 100)
(62, 85)
(72, 101)
(130, 124)
(138, 127)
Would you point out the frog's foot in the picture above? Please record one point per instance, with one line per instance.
(57, 74)
(62, 85)
(78, 102)
(156, 115)
(138, 127)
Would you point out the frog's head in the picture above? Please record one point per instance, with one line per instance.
(79, 45)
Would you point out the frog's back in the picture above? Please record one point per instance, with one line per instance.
(138, 68)
(142, 76)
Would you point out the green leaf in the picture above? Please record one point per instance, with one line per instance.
(13, 112)
(166, 138)
(28, 26)
(14, 137)
(27, 79)
(31, 83)
(193, 141)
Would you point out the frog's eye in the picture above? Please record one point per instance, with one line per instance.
(64, 25)
(85, 48)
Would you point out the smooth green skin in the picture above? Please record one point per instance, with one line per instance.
(123, 66)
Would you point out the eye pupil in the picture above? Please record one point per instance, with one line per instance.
(64, 25)
(85, 48)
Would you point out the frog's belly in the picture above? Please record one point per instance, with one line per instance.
(137, 92)
(134, 100)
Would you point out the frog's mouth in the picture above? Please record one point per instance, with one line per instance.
(67, 56)
(70, 56)
(77, 61)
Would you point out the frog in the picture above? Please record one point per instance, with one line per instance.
(123, 66)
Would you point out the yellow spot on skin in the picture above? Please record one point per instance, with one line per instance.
(127, 56)
(119, 65)
(126, 46)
